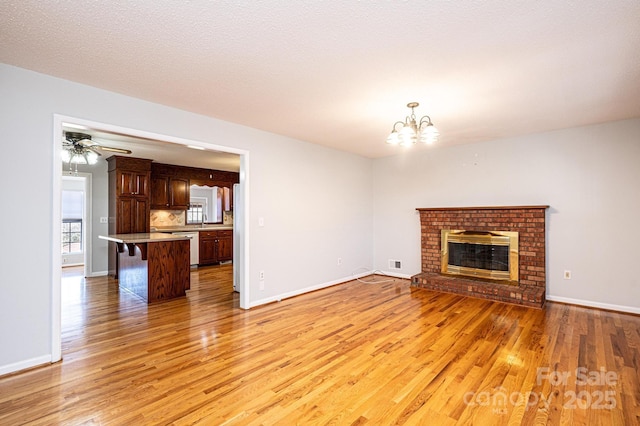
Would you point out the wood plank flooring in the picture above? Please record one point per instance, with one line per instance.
(357, 353)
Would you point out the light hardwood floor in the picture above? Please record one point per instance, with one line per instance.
(356, 353)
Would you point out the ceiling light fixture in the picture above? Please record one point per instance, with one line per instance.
(73, 152)
(78, 148)
(412, 132)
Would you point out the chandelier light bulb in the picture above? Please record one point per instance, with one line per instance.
(92, 157)
(429, 134)
(66, 156)
(393, 138)
(78, 159)
(407, 136)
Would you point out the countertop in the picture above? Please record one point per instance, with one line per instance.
(191, 228)
(151, 237)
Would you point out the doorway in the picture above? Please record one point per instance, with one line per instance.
(76, 221)
(241, 223)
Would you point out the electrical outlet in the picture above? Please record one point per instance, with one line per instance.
(261, 275)
(567, 275)
(103, 220)
(339, 261)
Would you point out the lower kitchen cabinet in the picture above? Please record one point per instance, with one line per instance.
(216, 246)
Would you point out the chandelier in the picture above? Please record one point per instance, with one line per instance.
(413, 131)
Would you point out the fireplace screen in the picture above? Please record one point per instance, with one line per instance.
(489, 255)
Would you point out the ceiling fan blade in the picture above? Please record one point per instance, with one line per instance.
(84, 141)
(111, 149)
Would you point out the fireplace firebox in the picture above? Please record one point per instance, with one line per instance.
(491, 255)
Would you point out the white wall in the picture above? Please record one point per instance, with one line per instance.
(589, 177)
(316, 202)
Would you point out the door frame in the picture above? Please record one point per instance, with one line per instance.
(56, 179)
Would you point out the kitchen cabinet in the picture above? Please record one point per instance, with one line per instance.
(128, 199)
(216, 246)
(171, 185)
(132, 183)
(224, 249)
(132, 214)
(168, 192)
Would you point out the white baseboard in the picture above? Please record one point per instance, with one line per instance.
(99, 274)
(287, 295)
(23, 365)
(591, 304)
(395, 274)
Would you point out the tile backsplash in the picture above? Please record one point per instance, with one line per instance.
(227, 217)
(168, 218)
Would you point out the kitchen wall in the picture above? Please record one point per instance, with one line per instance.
(310, 215)
(588, 176)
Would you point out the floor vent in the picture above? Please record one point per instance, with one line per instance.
(395, 264)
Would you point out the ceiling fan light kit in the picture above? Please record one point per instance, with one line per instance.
(412, 130)
(78, 148)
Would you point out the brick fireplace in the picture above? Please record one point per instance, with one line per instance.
(527, 221)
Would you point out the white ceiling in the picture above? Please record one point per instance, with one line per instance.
(339, 73)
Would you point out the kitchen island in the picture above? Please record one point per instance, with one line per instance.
(154, 266)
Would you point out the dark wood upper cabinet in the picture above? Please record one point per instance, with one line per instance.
(170, 184)
(129, 184)
(159, 192)
(169, 192)
(132, 183)
(196, 176)
(129, 207)
(179, 193)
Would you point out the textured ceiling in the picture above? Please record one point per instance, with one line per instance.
(339, 73)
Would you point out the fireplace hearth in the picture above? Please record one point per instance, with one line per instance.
(495, 253)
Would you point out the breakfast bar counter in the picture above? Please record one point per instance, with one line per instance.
(155, 266)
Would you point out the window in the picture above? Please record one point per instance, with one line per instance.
(71, 236)
(72, 212)
(195, 214)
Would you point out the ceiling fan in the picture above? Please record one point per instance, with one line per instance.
(78, 148)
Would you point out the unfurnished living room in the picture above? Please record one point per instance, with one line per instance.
(256, 213)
